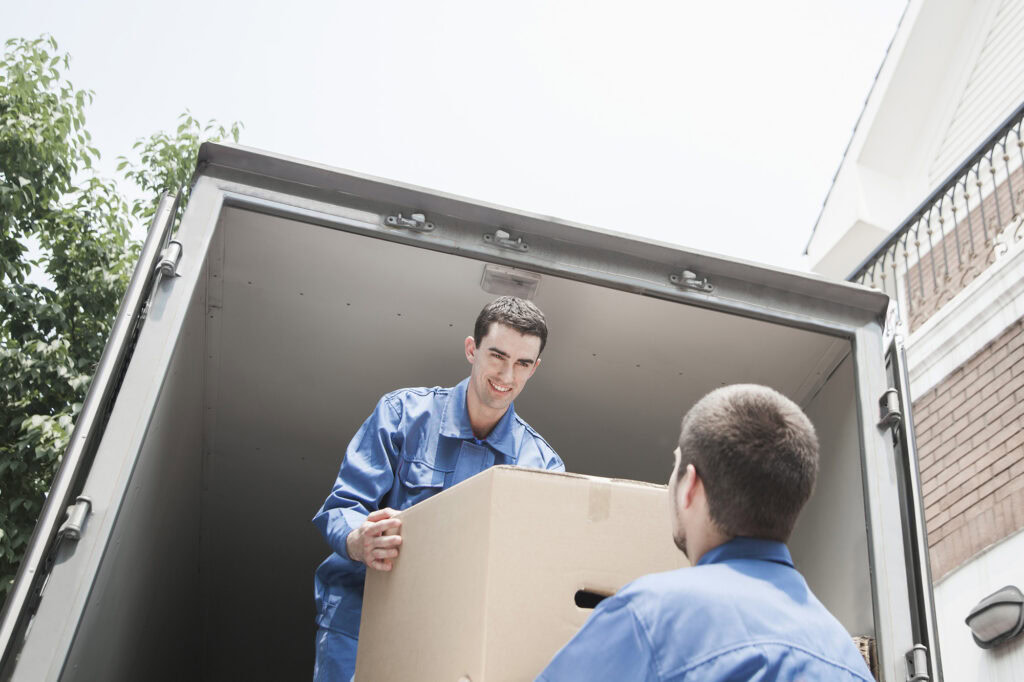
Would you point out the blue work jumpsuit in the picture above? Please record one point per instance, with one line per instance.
(742, 613)
(417, 442)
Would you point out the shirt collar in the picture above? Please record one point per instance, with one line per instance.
(748, 548)
(455, 423)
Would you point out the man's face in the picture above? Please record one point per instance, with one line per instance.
(675, 505)
(502, 364)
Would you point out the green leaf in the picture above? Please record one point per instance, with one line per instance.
(52, 334)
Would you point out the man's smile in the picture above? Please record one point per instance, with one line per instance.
(500, 388)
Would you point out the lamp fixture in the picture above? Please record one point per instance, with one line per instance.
(503, 281)
(997, 618)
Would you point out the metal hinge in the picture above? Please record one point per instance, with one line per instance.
(71, 529)
(917, 664)
(416, 222)
(890, 416)
(503, 239)
(892, 323)
(166, 266)
(690, 280)
(75, 521)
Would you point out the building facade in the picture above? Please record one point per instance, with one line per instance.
(927, 205)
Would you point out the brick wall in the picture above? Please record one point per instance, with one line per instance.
(945, 270)
(970, 441)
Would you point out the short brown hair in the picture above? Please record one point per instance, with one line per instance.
(756, 453)
(518, 313)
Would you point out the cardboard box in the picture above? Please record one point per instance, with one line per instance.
(486, 584)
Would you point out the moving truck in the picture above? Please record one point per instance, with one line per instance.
(176, 542)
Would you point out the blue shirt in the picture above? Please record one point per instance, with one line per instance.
(742, 613)
(417, 442)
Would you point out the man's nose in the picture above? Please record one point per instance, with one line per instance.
(506, 373)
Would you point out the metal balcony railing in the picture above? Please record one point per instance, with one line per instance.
(968, 222)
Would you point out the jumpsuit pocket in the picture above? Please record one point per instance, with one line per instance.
(420, 481)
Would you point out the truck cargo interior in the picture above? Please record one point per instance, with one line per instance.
(295, 332)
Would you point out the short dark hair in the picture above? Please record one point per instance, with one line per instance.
(518, 313)
(756, 453)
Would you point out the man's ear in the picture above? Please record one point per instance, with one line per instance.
(689, 487)
(470, 349)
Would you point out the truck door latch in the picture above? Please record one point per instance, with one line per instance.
(689, 280)
(75, 521)
(917, 664)
(416, 222)
(889, 407)
(503, 239)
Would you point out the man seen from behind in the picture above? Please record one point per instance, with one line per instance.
(745, 466)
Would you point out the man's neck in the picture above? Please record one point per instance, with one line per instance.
(481, 419)
(703, 542)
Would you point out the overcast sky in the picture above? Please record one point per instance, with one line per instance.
(714, 125)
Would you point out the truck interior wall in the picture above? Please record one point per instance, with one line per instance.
(142, 621)
(316, 324)
(295, 333)
(829, 544)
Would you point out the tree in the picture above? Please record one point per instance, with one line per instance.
(66, 255)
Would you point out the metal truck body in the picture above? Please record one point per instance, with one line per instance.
(250, 348)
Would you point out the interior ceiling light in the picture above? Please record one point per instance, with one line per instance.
(503, 281)
(997, 618)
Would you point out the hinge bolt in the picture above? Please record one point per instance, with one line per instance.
(889, 409)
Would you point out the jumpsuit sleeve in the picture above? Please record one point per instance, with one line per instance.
(367, 474)
(612, 645)
(555, 463)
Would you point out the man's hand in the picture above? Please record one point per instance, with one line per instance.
(376, 542)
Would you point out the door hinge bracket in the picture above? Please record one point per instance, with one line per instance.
(77, 513)
(503, 239)
(417, 222)
(166, 266)
(71, 529)
(917, 664)
(890, 416)
(689, 279)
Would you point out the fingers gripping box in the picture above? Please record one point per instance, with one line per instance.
(499, 572)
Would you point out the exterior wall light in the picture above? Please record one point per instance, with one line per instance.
(997, 618)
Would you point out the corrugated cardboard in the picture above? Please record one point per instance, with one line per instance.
(486, 581)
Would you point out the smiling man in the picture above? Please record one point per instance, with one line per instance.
(418, 442)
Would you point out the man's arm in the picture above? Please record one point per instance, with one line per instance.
(611, 645)
(350, 519)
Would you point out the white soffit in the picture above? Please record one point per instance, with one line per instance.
(907, 117)
(850, 250)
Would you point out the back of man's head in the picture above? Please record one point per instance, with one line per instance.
(757, 455)
(518, 313)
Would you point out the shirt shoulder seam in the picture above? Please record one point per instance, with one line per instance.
(420, 391)
(689, 667)
(655, 662)
(535, 435)
(395, 399)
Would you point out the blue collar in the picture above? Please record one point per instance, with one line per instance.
(455, 423)
(748, 548)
